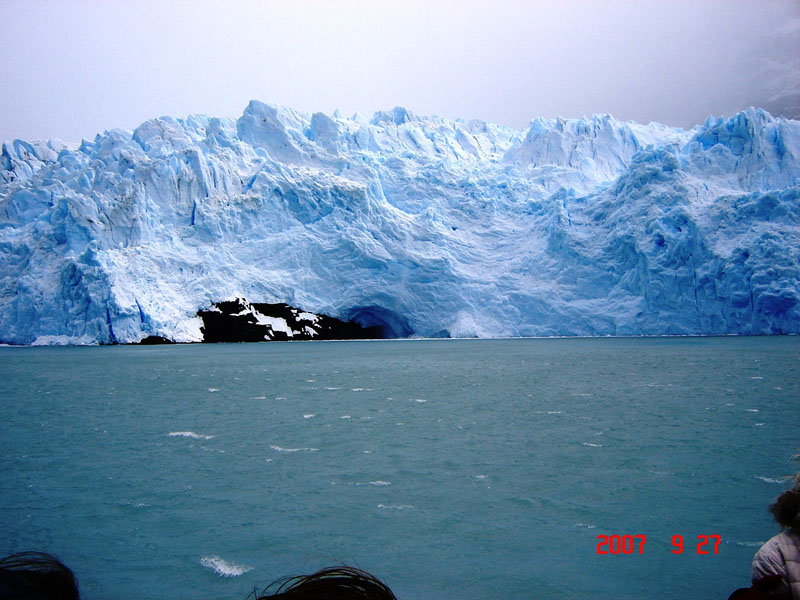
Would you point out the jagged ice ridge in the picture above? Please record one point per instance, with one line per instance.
(416, 224)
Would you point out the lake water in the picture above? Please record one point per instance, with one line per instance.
(467, 469)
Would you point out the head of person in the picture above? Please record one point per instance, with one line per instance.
(786, 510)
(333, 583)
(36, 576)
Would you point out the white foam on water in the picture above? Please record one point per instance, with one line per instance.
(481, 476)
(346, 417)
(379, 482)
(310, 380)
(135, 504)
(258, 398)
(585, 525)
(279, 449)
(309, 416)
(751, 409)
(756, 377)
(213, 389)
(749, 544)
(771, 479)
(332, 388)
(189, 434)
(358, 389)
(660, 472)
(223, 567)
(759, 424)
(420, 400)
(395, 506)
(593, 445)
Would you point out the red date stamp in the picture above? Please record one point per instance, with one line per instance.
(630, 544)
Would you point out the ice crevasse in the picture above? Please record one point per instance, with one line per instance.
(417, 225)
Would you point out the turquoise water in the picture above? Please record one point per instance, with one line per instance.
(450, 469)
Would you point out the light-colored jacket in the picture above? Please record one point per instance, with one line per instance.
(780, 555)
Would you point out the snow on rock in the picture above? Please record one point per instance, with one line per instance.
(409, 224)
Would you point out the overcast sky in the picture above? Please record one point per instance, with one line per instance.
(73, 68)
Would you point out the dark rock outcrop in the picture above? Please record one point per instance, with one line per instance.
(155, 340)
(240, 321)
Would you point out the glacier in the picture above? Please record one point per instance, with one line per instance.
(419, 225)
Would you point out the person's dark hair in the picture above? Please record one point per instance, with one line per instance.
(333, 583)
(36, 576)
(786, 509)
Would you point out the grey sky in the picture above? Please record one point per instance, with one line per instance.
(71, 69)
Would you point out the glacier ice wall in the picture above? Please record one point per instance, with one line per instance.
(569, 227)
